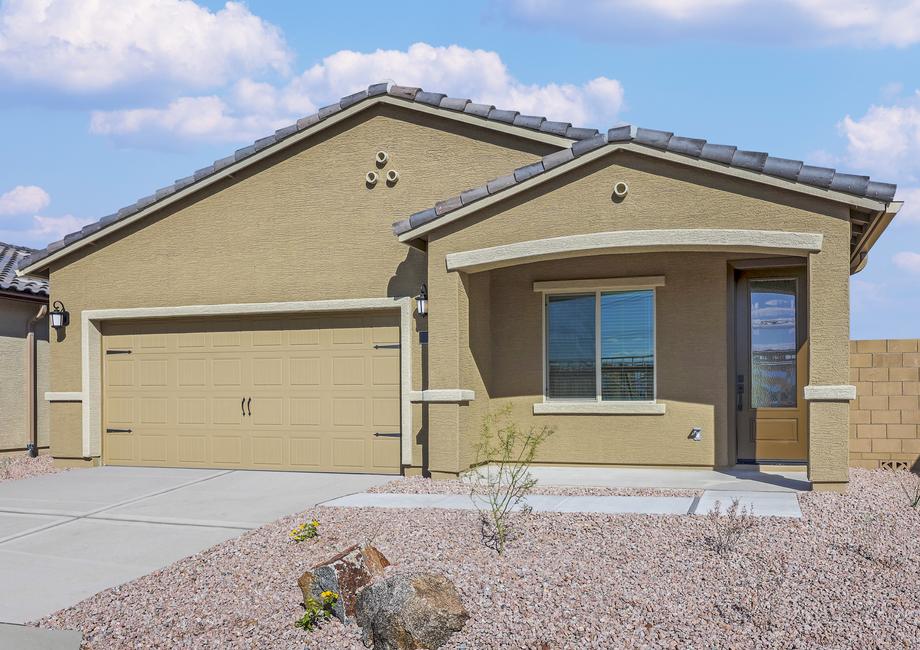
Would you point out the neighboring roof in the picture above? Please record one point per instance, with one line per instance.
(794, 171)
(486, 113)
(11, 257)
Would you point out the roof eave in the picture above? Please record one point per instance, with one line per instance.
(879, 224)
(40, 266)
(851, 200)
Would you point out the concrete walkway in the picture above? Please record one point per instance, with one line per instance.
(65, 537)
(762, 504)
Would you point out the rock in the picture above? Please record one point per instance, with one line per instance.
(409, 611)
(344, 574)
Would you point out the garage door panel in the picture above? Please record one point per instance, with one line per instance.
(319, 390)
(152, 448)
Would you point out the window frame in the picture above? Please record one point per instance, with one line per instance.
(597, 287)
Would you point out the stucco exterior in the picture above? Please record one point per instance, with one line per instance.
(693, 307)
(303, 226)
(14, 418)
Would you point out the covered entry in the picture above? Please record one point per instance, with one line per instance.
(298, 392)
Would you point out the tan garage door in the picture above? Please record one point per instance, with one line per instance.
(299, 393)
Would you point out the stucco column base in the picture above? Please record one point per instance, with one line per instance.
(828, 446)
(840, 487)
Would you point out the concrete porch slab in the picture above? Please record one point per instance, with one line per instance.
(748, 480)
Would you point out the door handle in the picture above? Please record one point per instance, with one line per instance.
(243, 407)
(249, 406)
(739, 393)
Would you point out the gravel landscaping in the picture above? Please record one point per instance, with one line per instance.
(16, 467)
(846, 575)
(419, 485)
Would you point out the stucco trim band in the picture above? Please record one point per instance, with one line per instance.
(842, 393)
(599, 408)
(443, 395)
(799, 244)
(91, 342)
(63, 396)
(609, 284)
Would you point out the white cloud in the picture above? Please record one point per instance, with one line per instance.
(886, 138)
(252, 109)
(910, 213)
(809, 22)
(85, 46)
(24, 199)
(51, 228)
(907, 261)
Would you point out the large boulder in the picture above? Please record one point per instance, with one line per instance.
(345, 573)
(409, 611)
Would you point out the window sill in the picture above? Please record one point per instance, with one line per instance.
(598, 408)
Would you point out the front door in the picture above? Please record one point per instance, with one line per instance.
(771, 365)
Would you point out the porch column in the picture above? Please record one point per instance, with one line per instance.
(829, 363)
(447, 300)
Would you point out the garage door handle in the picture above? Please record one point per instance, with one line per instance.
(387, 346)
(243, 407)
(249, 406)
(380, 434)
(118, 430)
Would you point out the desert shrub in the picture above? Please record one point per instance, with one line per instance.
(910, 486)
(305, 531)
(318, 612)
(501, 481)
(725, 532)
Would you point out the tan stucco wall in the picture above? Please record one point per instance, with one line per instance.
(662, 195)
(885, 416)
(14, 424)
(299, 226)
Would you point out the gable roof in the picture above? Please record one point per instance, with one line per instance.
(561, 134)
(858, 191)
(10, 258)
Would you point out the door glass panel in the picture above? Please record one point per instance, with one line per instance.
(628, 346)
(773, 343)
(570, 370)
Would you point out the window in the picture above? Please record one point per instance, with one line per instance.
(600, 346)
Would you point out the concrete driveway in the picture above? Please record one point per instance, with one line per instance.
(65, 537)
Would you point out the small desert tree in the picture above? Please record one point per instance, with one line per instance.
(501, 481)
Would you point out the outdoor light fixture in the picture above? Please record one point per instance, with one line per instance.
(60, 317)
(696, 434)
(421, 301)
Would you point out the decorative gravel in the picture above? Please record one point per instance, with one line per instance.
(420, 485)
(846, 575)
(16, 467)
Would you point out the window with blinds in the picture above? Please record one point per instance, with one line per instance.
(601, 346)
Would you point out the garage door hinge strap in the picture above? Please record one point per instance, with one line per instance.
(380, 434)
(118, 351)
(118, 430)
(387, 346)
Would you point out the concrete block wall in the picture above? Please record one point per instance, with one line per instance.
(885, 416)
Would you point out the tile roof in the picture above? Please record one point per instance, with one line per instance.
(791, 170)
(410, 94)
(10, 259)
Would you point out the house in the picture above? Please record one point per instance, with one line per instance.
(23, 356)
(659, 300)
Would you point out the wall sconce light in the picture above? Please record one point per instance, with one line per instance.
(421, 301)
(696, 434)
(60, 317)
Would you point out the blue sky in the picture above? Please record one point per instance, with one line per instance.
(102, 102)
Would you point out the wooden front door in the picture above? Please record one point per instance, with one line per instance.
(771, 365)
